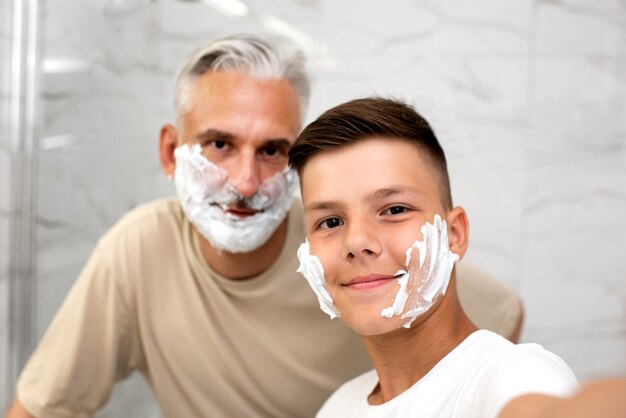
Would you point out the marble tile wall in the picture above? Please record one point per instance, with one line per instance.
(529, 102)
(527, 96)
(5, 190)
(100, 109)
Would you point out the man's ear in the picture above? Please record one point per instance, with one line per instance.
(458, 231)
(167, 144)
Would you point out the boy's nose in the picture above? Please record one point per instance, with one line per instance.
(361, 240)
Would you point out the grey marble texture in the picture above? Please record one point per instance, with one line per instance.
(527, 97)
(5, 189)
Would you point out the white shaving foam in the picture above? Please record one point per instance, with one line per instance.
(312, 270)
(429, 282)
(205, 194)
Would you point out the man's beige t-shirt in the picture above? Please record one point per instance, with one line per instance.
(208, 346)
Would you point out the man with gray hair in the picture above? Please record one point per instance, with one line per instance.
(200, 293)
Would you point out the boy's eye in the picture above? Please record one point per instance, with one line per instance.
(395, 210)
(330, 223)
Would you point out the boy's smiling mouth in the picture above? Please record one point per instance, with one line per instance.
(369, 282)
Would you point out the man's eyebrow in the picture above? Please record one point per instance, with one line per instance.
(214, 135)
(282, 143)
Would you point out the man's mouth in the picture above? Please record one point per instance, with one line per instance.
(237, 210)
(242, 212)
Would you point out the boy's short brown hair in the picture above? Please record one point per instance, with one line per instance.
(362, 119)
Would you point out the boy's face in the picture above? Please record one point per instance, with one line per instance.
(364, 206)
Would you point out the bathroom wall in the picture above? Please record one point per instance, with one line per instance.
(102, 98)
(5, 190)
(527, 97)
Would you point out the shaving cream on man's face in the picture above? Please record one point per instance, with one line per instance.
(205, 195)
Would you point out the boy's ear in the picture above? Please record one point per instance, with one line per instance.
(458, 231)
(167, 144)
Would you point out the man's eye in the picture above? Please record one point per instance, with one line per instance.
(330, 223)
(218, 144)
(396, 210)
(271, 151)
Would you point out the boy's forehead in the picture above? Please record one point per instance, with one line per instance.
(377, 162)
(362, 150)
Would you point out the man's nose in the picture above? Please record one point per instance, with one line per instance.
(246, 176)
(362, 240)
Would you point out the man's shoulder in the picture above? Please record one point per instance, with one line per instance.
(488, 302)
(145, 221)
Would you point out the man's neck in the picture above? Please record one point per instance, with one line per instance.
(241, 266)
(403, 357)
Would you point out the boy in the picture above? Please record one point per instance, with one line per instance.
(382, 240)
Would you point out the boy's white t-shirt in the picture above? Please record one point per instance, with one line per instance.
(475, 380)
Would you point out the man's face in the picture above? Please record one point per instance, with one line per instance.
(364, 206)
(245, 126)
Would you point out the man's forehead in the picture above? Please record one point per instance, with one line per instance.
(237, 104)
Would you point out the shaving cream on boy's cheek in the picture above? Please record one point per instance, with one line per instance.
(425, 281)
(313, 271)
(428, 264)
(206, 194)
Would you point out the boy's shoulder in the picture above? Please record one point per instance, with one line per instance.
(350, 399)
(479, 376)
(492, 371)
(489, 355)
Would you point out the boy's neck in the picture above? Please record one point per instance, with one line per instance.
(403, 357)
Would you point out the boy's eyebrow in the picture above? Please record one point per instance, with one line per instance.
(375, 195)
(389, 191)
(321, 205)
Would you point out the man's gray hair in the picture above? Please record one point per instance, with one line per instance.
(259, 58)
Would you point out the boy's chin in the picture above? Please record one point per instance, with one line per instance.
(370, 326)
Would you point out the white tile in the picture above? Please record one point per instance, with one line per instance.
(591, 79)
(4, 339)
(579, 27)
(582, 321)
(5, 200)
(432, 28)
